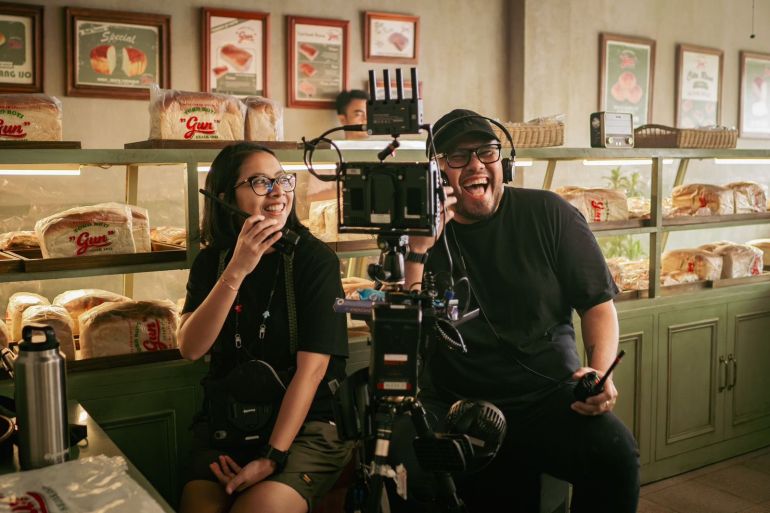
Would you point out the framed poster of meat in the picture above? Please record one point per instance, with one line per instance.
(234, 52)
(21, 48)
(698, 86)
(318, 61)
(626, 76)
(391, 37)
(115, 54)
(755, 95)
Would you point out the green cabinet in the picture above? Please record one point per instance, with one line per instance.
(747, 367)
(690, 381)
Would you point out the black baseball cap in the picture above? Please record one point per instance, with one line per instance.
(457, 124)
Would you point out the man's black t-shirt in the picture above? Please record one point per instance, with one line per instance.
(528, 265)
(316, 285)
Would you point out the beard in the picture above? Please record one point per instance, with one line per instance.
(478, 210)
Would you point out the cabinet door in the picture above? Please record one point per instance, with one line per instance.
(689, 375)
(633, 379)
(748, 350)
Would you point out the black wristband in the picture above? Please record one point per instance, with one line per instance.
(278, 457)
(419, 258)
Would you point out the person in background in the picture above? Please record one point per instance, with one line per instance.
(531, 261)
(242, 299)
(351, 110)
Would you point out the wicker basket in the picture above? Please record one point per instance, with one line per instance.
(531, 135)
(660, 136)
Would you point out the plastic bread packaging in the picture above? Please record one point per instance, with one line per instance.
(702, 199)
(173, 235)
(79, 301)
(597, 205)
(264, 119)
(128, 327)
(24, 239)
(5, 334)
(98, 229)
(764, 245)
(30, 117)
(58, 318)
(194, 116)
(17, 303)
(140, 225)
(86, 485)
(738, 260)
(749, 197)
(638, 207)
(707, 265)
(677, 278)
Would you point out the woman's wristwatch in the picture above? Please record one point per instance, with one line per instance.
(278, 457)
(419, 258)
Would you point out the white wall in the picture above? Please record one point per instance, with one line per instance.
(450, 30)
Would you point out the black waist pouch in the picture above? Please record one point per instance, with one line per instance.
(242, 407)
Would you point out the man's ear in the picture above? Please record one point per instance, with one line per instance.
(343, 119)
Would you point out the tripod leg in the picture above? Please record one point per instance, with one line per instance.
(447, 492)
(384, 428)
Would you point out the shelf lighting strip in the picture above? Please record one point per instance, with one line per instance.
(744, 162)
(623, 162)
(332, 167)
(40, 172)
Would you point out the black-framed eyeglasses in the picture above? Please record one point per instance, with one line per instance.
(262, 185)
(486, 153)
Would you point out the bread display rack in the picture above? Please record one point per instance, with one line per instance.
(661, 136)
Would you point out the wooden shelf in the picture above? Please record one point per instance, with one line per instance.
(10, 263)
(39, 145)
(696, 222)
(172, 144)
(687, 288)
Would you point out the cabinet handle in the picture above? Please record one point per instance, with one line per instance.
(722, 375)
(733, 371)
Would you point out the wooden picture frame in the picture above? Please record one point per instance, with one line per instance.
(391, 37)
(698, 86)
(317, 53)
(116, 54)
(21, 48)
(234, 52)
(626, 75)
(754, 97)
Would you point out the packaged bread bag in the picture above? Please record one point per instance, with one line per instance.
(597, 205)
(264, 119)
(738, 260)
(59, 319)
(30, 117)
(105, 228)
(193, 116)
(764, 245)
(707, 265)
(128, 327)
(702, 199)
(17, 303)
(5, 334)
(23, 239)
(749, 197)
(79, 301)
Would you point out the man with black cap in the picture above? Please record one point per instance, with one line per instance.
(530, 259)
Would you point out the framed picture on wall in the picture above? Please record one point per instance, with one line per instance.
(21, 48)
(755, 95)
(627, 66)
(318, 61)
(391, 37)
(698, 86)
(234, 52)
(115, 54)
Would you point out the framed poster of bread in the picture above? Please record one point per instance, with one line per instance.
(626, 72)
(21, 48)
(318, 61)
(234, 52)
(115, 54)
(391, 37)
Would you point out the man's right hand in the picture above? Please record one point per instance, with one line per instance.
(423, 244)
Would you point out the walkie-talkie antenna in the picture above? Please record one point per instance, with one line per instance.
(372, 86)
(399, 85)
(386, 79)
(415, 85)
(620, 355)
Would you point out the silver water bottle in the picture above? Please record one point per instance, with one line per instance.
(41, 399)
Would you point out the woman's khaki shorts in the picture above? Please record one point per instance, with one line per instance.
(316, 460)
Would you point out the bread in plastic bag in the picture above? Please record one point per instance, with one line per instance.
(596, 205)
(264, 119)
(702, 199)
(24, 239)
(58, 318)
(88, 485)
(79, 301)
(30, 117)
(749, 197)
(195, 116)
(17, 303)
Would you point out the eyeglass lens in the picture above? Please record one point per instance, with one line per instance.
(487, 154)
(262, 185)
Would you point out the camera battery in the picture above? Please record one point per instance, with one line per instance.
(395, 340)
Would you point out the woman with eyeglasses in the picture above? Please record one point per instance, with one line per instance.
(237, 309)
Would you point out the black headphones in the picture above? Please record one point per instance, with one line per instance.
(508, 163)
